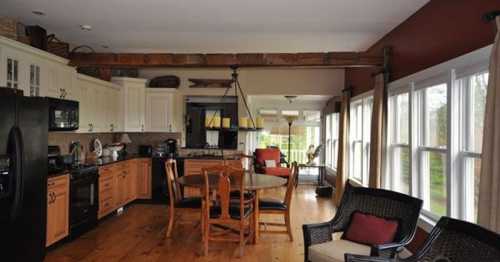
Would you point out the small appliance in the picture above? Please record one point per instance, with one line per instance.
(145, 150)
(63, 115)
(171, 148)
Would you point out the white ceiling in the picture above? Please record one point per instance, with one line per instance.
(217, 26)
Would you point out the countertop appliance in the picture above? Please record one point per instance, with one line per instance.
(63, 115)
(171, 147)
(84, 199)
(23, 175)
(145, 150)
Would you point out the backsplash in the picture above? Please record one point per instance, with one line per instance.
(64, 139)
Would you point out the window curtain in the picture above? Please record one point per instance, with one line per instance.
(342, 174)
(489, 187)
(379, 115)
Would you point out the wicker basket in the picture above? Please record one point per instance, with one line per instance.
(57, 47)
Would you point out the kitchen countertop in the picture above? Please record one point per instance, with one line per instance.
(97, 162)
(103, 161)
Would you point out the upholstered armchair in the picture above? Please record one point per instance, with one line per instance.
(451, 240)
(320, 246)
(266, 156)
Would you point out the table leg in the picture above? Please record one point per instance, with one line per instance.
(256, 215)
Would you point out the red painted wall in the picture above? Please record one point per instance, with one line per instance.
(438, 32)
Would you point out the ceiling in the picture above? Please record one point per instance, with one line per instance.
(216, 26)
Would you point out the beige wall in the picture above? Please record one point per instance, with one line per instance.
(254, 81)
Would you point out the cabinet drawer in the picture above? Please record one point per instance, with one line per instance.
(106, 206)
(105, 183)
(105, 194)
(59, 181)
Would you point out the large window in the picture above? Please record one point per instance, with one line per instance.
(473, 101)
(332, 139)
(434, 143)
(399, 147)
(359, 138)
(432, 140)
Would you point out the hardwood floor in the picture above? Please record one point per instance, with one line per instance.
(139, 235)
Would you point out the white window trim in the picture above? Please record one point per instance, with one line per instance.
(449, 71)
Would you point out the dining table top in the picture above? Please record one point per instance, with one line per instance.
(252, 182)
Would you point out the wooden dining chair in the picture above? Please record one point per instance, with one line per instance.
(176, 199)
(222, 219)
(278, 207)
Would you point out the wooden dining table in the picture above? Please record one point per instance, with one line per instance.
(252, 182)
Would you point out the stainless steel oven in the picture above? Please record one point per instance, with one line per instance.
(63, 115)
(83, 200)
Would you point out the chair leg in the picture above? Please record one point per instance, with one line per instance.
(242, 240)
(170, 221)
(288, 224)
(206, 234)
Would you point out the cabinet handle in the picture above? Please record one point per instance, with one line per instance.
(91, 127)
(112, 127)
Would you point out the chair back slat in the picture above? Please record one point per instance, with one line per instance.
(229, 179)
(174, 191)
(291, 183)
(223, 194)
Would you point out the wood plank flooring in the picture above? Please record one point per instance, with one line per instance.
(139, 235)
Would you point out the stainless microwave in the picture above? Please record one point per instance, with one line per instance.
(63, 115)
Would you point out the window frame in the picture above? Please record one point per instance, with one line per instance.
(362, 136)
(458, 204)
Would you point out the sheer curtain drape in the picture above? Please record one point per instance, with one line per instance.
(342, 174)
(489, 189)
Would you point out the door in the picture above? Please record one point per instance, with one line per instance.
(158, 112)
(134, 106)
(57, 209)
(144, 179)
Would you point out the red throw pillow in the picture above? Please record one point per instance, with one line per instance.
(370, 230)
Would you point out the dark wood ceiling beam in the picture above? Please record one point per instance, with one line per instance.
(331, 59)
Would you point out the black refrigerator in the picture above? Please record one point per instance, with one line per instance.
(23, 176)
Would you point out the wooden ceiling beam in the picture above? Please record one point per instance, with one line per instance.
(330, 59)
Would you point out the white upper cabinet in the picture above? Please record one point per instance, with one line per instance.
(159, 110)
(99, 105)
(36, 72)
(133, 103)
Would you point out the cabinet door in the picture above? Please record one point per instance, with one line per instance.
(144, 179)
(57, 211)
(100, 96)
(131, 180)
(112, 108)
(121, 188)
(134, 109)
(87, 107)
(158, 110)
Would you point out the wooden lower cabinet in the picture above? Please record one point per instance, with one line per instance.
(195, 166)
(144, 178)
(57, 208)
(107, 187)
(122, 183)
